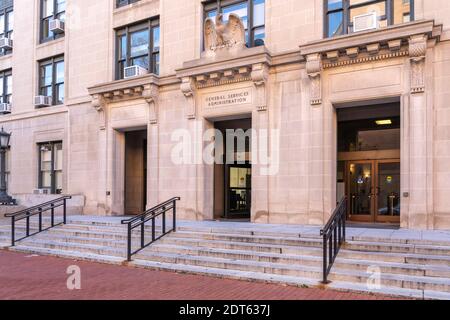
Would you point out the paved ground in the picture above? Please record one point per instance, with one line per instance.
(25, 276)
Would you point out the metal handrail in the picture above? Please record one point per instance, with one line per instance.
(333, 234)
(37, 210)
(150, 215)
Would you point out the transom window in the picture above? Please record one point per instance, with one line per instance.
(138, 45)
(51, 10)
(51, 79)
(252, 13)
(6, 23)
(340, 13)
(121, 3)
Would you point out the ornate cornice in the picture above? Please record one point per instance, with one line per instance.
(143, 87)
(369, 46)
(405, 40)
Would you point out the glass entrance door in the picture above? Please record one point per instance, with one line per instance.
(238, 191)
(360, 191)
(388, 191)
(373, 190)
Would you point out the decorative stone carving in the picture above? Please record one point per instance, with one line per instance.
(98, 102)
(219, 36)
(188, 89)
(417, 53)
(314, 69)
(151, 96)
(259, 75)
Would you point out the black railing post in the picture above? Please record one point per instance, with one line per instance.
(129, 243)
(13, 231)
(325, 273)
(28, 223)
(142, 232)
(64, 211)
(164, 220)
(53, 214)
(153, 229)
(343, 220)
(40, 219)
(174, 226)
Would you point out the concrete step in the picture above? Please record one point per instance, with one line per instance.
(76, 255)
(36, 243)
(397, 248)
(309, 260)
(283, 279)
(303, 271)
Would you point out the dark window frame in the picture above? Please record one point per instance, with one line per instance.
(346, 14)
(52, 61)
(123, 3)
(6, 98)
(150, 25)
(4, 11)
(52, 188)
(42, 21)
(217, 5)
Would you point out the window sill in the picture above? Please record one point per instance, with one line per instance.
(131, 6)
(49, 42)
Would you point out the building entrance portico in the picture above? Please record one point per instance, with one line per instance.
(368, 169)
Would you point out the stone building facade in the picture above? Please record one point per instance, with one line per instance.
(305, 77)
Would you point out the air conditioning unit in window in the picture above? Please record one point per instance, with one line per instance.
(6, 43)
(134, 71)
(5, 108)
(363, 22)
(42, 101)
(56, 26)
(41, 191)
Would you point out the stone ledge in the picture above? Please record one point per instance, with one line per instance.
(362, 39)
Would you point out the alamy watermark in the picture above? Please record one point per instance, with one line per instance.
(74, 280)
(232, 146)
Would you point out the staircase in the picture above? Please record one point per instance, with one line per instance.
(410, 268)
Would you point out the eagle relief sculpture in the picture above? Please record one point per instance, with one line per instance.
(219, 36)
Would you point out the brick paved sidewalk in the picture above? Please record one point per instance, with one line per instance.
(25, 276)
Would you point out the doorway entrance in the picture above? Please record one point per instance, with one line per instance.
(368, 168)
(135, 172)
(233, 170)
(374, 190)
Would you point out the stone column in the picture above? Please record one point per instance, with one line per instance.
(103, 208)
(260, 146)
(316, 214)
(151, 96)
(418, 146)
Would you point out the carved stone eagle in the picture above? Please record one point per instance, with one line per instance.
(219, 35)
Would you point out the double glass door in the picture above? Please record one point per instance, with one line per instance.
(373, 190)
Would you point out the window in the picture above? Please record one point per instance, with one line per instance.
(252, 13)
(7, 166)
(340, 13)
(51, 10)
(51, 166)
(51, 79)
(6, 23)
(121, 3)
(138, 45)
(5, 86)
